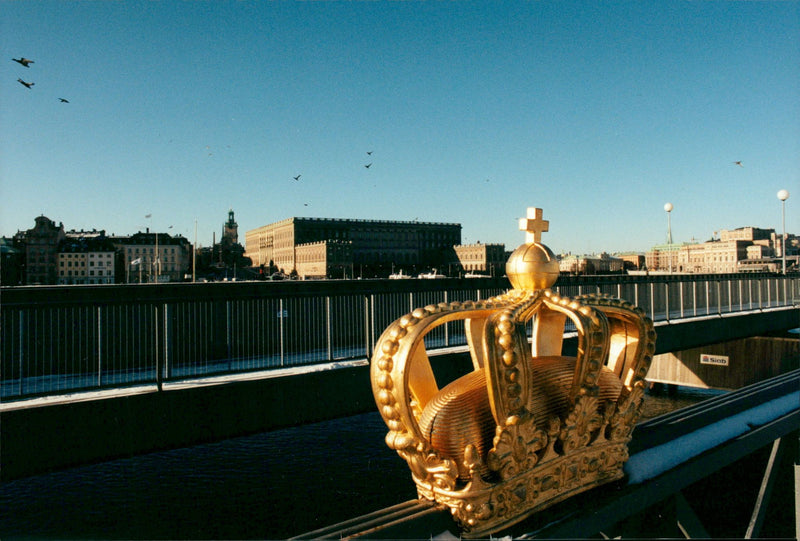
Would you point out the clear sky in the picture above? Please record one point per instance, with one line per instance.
(598, 112)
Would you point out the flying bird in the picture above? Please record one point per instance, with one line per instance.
(26, 84)
(24, 61)
(297, 177)
(367, 166)
(739, 164)
(63, 100)
(369, 153)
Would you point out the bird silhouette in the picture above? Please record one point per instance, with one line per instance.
(26, 84)
(24, 61)
(367, 166)
(369, 153)
(739, 164)
(63, 100)
(297, 177)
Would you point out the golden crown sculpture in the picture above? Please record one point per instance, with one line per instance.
(528, 427)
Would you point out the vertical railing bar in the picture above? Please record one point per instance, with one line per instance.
(328, 333)
(446, 326)
(281, 329)
(159, 375)
(373, 325)
(769, 293)
(782, 281)
(786, 284)
(64, 359)
(730, 295)
(666, 299)
(228, 331)
(99, 347)
(21, 351)
(652, 301)
(367, 319)
(741, 300)
(167, 340)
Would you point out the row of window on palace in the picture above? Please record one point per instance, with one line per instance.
(80, 263)
(104, 255)
(83, 273)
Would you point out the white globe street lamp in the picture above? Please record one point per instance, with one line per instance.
(783, 195)
(668, 208)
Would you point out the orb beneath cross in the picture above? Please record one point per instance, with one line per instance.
(532, 266)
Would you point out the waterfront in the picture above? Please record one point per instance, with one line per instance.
(264, 486)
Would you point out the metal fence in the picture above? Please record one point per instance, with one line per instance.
(63, 339)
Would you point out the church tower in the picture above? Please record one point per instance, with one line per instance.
(230, 231)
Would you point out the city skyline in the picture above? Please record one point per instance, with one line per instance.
(218, 235)
(465, 113)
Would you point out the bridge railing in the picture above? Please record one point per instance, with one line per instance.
(62, 339)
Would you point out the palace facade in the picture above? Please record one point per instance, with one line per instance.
(375, 246)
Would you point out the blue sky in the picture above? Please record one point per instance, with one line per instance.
(600, 113)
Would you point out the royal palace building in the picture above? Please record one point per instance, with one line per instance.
(319, 247)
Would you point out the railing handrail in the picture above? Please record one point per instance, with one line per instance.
(144, 333)
(174, 292)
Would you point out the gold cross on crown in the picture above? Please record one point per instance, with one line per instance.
(533, 225)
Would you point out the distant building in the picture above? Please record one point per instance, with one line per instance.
(663, 257)
(746, 249)
(377, 245)
(752, 234)
(632, 261)
(140, 263)
(12, 260)
(588, 265)
(488, 259)
(41, 251)
(86, 258)
(325, 259)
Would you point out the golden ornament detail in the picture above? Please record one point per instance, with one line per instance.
(529, 426)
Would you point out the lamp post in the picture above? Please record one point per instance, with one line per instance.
(668, 208)
(783, 195)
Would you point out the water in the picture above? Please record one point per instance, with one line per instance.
(265, 486)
